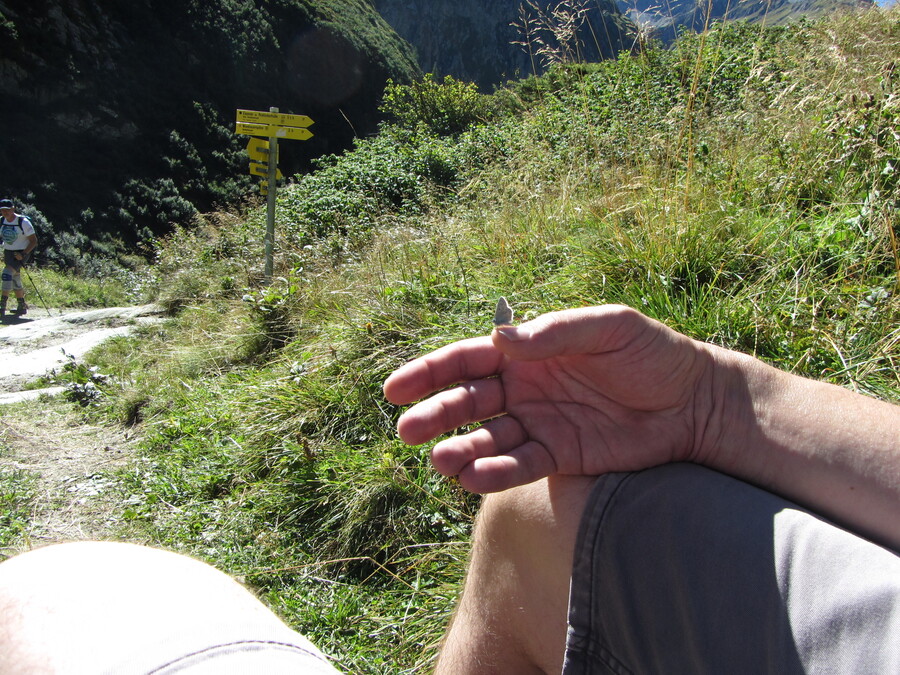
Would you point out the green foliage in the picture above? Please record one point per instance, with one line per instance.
(271, 310)
(17, 493)
(120, 286)
(398, 174)
(210, 260)
(368, 32)
(731, 187)
(83, 384)
(162, 146)
(8, 26)
(443, 108)
(158, 203)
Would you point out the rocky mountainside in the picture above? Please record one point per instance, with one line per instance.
(118, 116)
(664, 19)
(474, 40)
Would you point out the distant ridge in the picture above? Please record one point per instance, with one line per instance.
(665, 17)
(473, 40)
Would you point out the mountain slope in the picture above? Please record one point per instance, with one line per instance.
(473, 40)
(118, 117)
(666, 18)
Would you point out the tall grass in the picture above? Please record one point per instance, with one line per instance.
(17, 496)
(741, 187)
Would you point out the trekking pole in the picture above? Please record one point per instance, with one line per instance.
(34, 286)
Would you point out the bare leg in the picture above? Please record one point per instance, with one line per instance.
(512, 614)
(92, 606)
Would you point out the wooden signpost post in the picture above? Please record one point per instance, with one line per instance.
(263, 154)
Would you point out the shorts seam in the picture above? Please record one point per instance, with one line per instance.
(286, 646)
(602, 652)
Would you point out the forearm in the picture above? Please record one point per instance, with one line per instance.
(825, 447)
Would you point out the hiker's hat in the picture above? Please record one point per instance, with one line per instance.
(6, 204)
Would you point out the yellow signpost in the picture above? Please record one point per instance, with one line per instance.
(262, 169)
(263, 154)
(276, 119)
(272, 130)
(258, 149)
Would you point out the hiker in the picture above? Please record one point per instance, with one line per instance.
(687, 507)
(19, 241)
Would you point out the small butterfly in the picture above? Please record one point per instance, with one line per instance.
(503, 315)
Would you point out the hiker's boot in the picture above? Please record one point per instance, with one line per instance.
(3, 300)
(21, 308)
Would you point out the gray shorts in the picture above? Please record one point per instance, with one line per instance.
(12, 278)
(680, 569)
(231, 647)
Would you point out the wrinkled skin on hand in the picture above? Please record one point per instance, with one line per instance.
(583, 391)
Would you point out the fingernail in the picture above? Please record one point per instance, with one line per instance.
(514, 333)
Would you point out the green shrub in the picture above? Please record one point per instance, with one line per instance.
(397, 174)
(753, 212)
(17, 493)
(443, 108)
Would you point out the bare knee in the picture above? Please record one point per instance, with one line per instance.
(68, 607)
(513, 612)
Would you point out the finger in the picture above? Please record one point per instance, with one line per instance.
(495, 437)
(589, 330)
(448, 410)
(525, 464)
(470, 359)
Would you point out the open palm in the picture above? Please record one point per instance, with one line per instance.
(577, 392)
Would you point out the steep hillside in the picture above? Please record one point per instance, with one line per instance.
(118, 117)
(740, 187)
(665, 19)
(473, 40)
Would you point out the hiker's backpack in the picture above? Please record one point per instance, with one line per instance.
(8, 231)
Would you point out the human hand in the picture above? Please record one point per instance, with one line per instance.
(583, 391)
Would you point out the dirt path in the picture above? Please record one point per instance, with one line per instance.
(73, 461)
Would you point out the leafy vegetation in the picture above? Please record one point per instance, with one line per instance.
(443, 108)
(133, 131)
(17, 492)
(741, 187)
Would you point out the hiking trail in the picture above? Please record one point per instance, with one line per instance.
(46, 437)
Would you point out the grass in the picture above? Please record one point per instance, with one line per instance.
(17, 494)
(47, 287)
(742, 187)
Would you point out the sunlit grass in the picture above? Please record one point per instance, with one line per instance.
(739, 189)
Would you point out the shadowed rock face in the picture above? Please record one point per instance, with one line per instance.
(119, 115)
(473, 40)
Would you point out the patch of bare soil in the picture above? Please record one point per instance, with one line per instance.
(74, 463)
(73, 460)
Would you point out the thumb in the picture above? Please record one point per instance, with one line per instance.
(588, 330)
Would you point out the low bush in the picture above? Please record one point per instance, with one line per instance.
(734, 191)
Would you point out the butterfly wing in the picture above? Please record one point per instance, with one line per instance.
(503, 315)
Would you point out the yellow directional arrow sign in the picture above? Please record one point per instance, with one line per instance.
(270, 125)
(271, 131)
(262, 169)
(258, 149)
(273, 118)
(293, 133)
